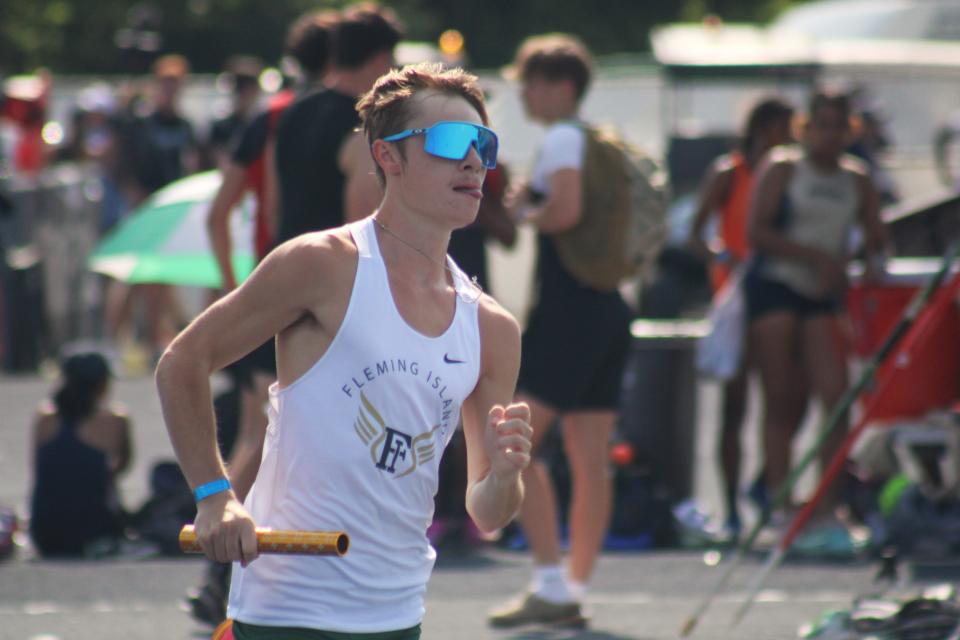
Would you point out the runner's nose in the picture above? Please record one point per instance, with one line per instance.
(472, 159)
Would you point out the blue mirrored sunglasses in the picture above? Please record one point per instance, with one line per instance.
(452, 140)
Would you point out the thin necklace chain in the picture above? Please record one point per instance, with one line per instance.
(456, 275)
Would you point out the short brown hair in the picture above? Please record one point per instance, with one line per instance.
(363, 31)
(385, 109)
(555, 56)
(309, 40)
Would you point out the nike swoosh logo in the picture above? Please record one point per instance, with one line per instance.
(450, 360)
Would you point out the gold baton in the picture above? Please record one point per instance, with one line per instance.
(314, 543)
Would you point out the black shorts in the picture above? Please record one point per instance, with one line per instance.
(764, 296)
(576, 342)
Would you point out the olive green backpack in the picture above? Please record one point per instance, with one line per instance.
(623, 223)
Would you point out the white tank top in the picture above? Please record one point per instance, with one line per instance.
(354, 445)
(821, 210)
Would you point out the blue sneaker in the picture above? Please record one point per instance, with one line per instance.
(832, 540)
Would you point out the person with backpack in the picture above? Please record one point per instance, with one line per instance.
(576, 340)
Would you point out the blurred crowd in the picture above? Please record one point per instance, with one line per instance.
(827, 164)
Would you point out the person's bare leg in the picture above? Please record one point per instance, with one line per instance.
(825, 357)
(731, 428)
(586, 439)
(538, 513)
(119, 307)
(774, 344)
(155, 295)
(244, 461)
(164, 315)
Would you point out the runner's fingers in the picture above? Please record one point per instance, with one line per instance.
(248, 546)
(518, 410)
(495, 415)
(219, 548)
(517, 426)
(514, 442)
(232, 545)
(519, 459)
(206, 541)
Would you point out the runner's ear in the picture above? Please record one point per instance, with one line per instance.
(387, 156)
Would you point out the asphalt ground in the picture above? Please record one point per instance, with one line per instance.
(639, 595)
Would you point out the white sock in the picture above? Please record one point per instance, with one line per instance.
(577, 590)
(550, 584)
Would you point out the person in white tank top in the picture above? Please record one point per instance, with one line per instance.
(382, 345)
(805, 202)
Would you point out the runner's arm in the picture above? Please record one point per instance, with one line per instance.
(270, 207)
(120, 460)
(715, 191)
(362, 191)
(218, 221)
(264, 305)
(563, 207)
(497, 433)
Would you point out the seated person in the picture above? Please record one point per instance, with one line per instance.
(80, 446)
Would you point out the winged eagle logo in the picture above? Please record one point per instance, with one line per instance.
(389, 447)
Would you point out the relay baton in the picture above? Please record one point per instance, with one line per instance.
(313, 543)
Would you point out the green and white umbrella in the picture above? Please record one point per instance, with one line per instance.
(165, 239)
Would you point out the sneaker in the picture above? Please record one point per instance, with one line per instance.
(832, 540)
(694, 526)
(530, 609)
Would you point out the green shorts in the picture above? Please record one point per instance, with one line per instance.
(244, 631)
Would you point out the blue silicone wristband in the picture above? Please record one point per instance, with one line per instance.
(211, 488)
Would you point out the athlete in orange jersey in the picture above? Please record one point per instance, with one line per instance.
(727, 191)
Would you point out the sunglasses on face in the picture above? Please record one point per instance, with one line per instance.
(452, 141)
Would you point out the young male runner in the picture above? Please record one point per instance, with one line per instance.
(382, 343)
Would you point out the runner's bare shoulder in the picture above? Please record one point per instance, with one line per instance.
(724, 164)
(779, 162)
(45, 421)
(325, 252)
(783, 156)
(854, 165)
